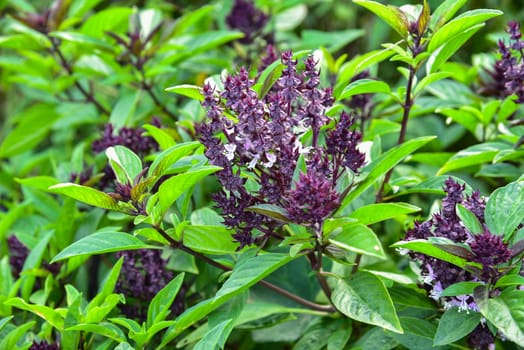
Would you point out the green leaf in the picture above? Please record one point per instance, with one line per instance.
(86, 194)
(469, 220)
(374, 213)
(455, 325)
(460, 288)
(505, 210)
(161, 137)
(4, 321)
(194, 45)
(444, 12)
(83, 40)
(429, 79)
(107, 286)
(104, 329)
(392, 15)
(418, 334)
(448, 49)
(49, 315)
(357, 65)
(209, 239)
(216, 337)
(97, 311)
(430, 249)
(159, 307)
(358, 238)
(364, 86)
(506, 312)
(169, 157)
(332, 40)
(125, 163)
(38, 182)
(365, 298)
(191, 91)
(99, 243)
(459, 25)
(272, 211)
(245, 274)
(124, 109)
(10, 340)
(473, 155)
(383, 164)
(174, 187)
(31, 129)
(510, 280)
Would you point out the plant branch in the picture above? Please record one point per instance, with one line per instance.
(89, 96)
(179, 245)
(407, 105)
(148, 88)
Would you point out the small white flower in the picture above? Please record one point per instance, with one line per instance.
(253, 162)
(230, 151)
(271, 158)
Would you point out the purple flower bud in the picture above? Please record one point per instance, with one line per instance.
(43, 345)
(142, 276)
(245, 17)
(481, 338)
(312, 199)
(17, 255)
(489, 250)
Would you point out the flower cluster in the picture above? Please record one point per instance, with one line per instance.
(258, 141)
(18, 253)
(131, 138)
(508, 72)
(43, 345)
(143, 275)
(248, 19)
(487, 249)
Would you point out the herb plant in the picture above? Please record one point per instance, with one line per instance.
(261, 174)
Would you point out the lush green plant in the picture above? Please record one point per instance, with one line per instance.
(226, 176)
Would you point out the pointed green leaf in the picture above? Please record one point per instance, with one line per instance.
(469, 220)
(42, 311)
(86, 195)
(392, 15)
(383, 164)
(125, 163)
(364, 86)
(99, 243)
(161, 137)
(459, 25)
(444, 12)
(505, 209)
(474, 155)
(104, 329)
(209, 239)
(191, 91)
(374, 213)
(159, 307)
(216, 337)
(177, 185)
(430, 249)
(460, 288)
(365, 298)
(358, 238)
(448, 49)
(168, 157)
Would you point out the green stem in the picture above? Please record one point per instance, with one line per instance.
(407, 105)
(179, 245)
